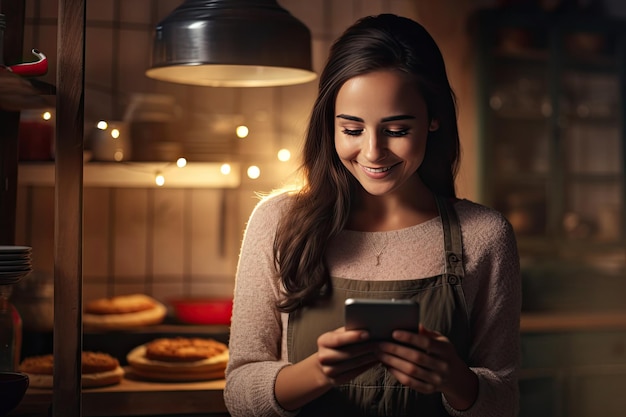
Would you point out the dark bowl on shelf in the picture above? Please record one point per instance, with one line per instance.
(13, 386)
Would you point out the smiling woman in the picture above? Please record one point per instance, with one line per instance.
(378, 218)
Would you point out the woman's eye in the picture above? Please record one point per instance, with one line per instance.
(352, 132)
(397, 133)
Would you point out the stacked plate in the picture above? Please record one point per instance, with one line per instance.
(15, 263)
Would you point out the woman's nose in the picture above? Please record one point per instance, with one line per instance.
(375, 147)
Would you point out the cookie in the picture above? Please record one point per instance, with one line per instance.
(182, 349)
(120, 304)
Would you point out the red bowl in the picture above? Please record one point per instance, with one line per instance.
(203, 310)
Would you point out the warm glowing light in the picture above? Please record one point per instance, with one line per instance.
(159, 180)
(242, 131)
(181, 162)
(225, 169)
(46, 115)
(253, 172)
(284, 155)
(102, 125)
(115, 133)
(118, 155)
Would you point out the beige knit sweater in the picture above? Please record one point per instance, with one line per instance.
(491, 286)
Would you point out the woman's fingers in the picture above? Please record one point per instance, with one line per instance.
(420, 361)
(342, 354)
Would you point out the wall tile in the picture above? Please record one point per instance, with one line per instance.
(97, 237)
(311, 12)
(126, 288)
(167, 242)
(134, 59)
(102, 11)
(213, 289)
(98, 106)
(42, 229)
(30, 8)
(166, 291)
(28, 42)
(210, 247)
(95, 290)
(136, 11)
(99, 57)
(130, 231)
(48, 8)
(406, 8)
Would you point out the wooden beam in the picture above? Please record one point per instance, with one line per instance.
(67, 397)
(11, 51)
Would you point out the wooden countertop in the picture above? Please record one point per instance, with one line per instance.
(572, 321)
(133, 397)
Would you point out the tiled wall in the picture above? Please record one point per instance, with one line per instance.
(170, 242)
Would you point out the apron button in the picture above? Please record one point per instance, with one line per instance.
(453, 279)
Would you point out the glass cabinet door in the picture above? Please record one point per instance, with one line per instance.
(590, 132)
(519, 109)
(552, 108)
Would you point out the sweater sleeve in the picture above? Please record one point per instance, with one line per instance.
(256, 327)
(493, 265)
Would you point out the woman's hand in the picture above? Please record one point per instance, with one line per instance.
(341, 355)
(344, 354)
(428, 362)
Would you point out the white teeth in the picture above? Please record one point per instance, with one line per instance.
(376, 170)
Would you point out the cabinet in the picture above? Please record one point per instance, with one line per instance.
(551, 119)
(551, 93)
(551, 101)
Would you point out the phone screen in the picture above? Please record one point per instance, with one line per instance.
(380, 317)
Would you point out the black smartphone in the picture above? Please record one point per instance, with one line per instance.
(380, 317)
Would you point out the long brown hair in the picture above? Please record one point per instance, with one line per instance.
(319, 211)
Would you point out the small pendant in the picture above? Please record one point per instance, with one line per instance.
(377, 260)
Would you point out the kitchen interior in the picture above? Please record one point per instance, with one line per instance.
(540, 86)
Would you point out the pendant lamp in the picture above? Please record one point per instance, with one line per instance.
(231, 43)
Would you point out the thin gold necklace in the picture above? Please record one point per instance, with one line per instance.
(377, 252)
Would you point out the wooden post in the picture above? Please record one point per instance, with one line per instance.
(9, 122)
(67, 396)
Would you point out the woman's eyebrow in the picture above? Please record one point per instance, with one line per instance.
(399, 117)
(383, 120)
(352, 118)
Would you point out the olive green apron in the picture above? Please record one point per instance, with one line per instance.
(376, 392)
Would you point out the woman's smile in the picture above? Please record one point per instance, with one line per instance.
(378, 173)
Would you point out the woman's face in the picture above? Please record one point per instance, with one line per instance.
(381, 126)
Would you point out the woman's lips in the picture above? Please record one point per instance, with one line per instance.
(377, 172)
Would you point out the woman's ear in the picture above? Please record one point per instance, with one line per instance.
(434, 125)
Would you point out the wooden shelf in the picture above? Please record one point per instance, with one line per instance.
(137, 174)
(19, 93)
(136, 398)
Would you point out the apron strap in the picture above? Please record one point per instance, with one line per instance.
(452, 239)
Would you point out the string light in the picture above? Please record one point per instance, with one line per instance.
(284, 155)
(242, 131)
(118, 155)
(115, 133)
(102, 125)
(46, 115)
(181, 162)
(225, 169)
(159, 179)
(253, 172)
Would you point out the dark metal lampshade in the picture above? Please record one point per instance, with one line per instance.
(232, 43)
